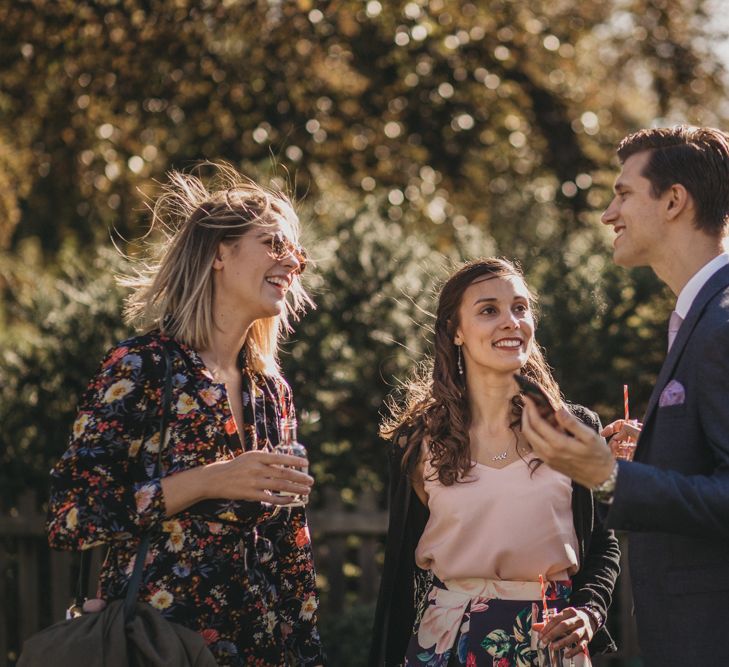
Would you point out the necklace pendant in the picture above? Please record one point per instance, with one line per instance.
(500, 457)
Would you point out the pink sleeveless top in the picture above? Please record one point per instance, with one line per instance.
(501, 524)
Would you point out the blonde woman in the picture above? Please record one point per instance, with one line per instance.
(224, 560)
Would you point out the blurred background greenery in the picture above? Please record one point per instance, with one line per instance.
(415, 134)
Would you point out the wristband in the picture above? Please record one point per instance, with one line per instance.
(594, 614)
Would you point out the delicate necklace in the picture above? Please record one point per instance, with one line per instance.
(500, 457)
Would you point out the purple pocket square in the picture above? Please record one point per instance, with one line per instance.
(672, 394)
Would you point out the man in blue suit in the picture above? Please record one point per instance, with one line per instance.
(670, 212)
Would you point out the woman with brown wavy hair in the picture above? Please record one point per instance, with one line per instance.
(475, 516)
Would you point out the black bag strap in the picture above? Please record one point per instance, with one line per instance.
(136, 578)
(83, 577)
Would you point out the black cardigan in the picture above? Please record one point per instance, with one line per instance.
(395, 615)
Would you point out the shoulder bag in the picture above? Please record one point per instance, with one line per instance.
(126, 632)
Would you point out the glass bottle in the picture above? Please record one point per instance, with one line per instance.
(548, 656)
(290, 445)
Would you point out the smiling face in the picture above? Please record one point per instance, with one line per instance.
(636, 216)
(250, 277)
(496, 325)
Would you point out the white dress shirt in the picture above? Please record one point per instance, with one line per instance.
(697, 281)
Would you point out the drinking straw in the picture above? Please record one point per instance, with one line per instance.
(544, 597)
(625, 400)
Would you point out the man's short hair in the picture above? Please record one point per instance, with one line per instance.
(695, 157)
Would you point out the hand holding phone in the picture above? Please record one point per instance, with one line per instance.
(536, 393)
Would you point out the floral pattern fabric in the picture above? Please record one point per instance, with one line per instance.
(472, 628)
(240, 573)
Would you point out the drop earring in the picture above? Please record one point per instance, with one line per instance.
(460, 360)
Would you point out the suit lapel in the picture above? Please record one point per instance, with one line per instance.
(716, 283)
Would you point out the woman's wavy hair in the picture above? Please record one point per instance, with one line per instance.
(436, 405)
(172, 287)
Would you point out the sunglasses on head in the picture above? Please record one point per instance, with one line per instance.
(281, 247)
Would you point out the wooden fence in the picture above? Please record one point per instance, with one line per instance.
(36, 583)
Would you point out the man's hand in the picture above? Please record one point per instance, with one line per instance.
(580, 453)
(621, 433)
(616, 428)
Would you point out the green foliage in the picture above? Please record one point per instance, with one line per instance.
(459, 110)
(601, 326)
(66, 319)
(373, 284)
(346, 635)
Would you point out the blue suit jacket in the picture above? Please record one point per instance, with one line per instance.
(674, 498)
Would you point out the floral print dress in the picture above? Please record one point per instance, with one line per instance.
(240, 573)
(471, 624)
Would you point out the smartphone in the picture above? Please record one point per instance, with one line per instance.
(536, 393)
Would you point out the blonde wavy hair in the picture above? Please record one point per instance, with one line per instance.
(172, 285)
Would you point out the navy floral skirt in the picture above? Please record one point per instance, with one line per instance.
(484, 623)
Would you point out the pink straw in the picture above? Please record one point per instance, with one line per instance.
(625, 399)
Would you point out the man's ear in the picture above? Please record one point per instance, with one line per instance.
(678, 200)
